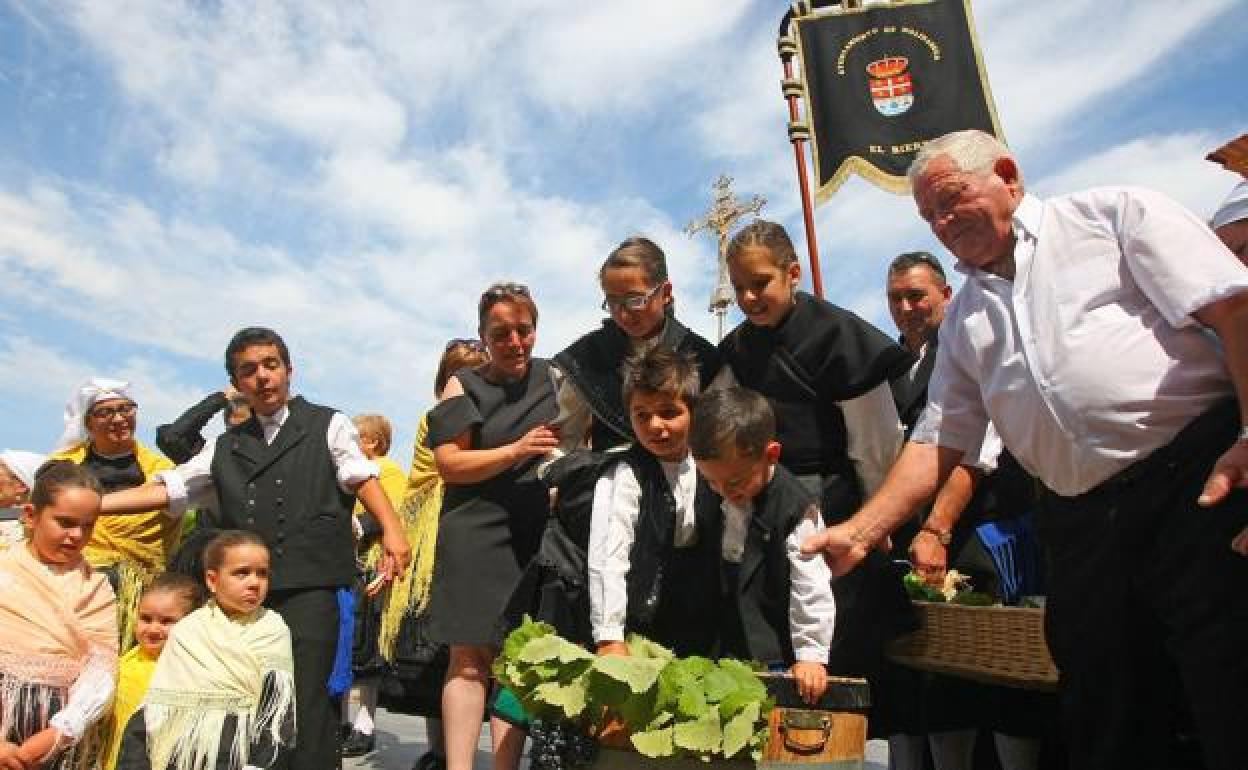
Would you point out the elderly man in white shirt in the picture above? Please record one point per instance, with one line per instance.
(1105, 336)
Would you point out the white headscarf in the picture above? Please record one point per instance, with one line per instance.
(23, 464)
(1234, 208)
(87, 395)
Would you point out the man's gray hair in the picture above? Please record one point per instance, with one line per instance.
(972, 151)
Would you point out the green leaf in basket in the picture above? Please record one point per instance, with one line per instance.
(641, 647)
(552, 648)
(702, 736)
(654, 743)
(639, 674)
(973, 599)
(718, 684)
(692, 703)
(747, 681)
(739, 730)
(570, 698)
(524, 633)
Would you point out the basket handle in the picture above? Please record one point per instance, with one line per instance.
(805, 732)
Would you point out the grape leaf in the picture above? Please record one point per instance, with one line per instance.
(702, 735)
(551, 648)
(641, 647)
(639, 674)
(570, 698)
(692, 703)
(739, 730)
(654, 743)
(524, 633)
(718, 684)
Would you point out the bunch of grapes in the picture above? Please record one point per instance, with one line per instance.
(560, 746)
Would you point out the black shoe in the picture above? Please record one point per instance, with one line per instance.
(430, 761)
(357, 744)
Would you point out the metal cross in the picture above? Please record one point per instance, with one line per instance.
(720, 219)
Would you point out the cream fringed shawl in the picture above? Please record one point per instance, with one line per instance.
(214, 667)
(59, 632)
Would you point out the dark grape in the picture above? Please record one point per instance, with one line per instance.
(559, 746)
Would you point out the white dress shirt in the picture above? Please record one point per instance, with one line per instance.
(612, 530)
(812, 606)
(190, 485)
(873, 435)
(1090, 359)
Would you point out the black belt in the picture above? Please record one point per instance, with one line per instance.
(1216, 427)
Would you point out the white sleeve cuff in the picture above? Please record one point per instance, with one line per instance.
(609, 634)
(176, 489)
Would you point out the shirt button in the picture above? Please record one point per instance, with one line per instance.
(279, 501)
(278, 550)
(251, 502)
(252, 485)
(281, 519)
(250, 520)
(279, 482)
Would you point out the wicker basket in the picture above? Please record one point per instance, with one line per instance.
(996, 645)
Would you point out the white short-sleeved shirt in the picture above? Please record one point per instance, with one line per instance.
(1090, 359)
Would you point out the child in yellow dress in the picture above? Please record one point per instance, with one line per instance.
(170, 597)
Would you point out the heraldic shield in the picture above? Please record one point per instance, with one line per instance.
(880, 81)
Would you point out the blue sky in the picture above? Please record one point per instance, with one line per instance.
(354, 174)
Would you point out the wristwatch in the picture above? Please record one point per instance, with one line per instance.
(943, 536)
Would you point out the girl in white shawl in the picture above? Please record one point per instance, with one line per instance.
(222, 695)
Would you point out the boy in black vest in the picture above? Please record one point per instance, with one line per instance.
(779, 603)
(292, 474)
(654, 529)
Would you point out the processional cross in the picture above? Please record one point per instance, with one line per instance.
(721, 217)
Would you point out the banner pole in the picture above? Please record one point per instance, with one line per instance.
(798, 134)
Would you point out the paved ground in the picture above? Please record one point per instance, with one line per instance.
(401, 739)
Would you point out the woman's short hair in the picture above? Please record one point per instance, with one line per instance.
(505, 291)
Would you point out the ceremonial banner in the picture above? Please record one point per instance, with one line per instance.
(880, 81)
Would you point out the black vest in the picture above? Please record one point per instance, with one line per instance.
(288, 493)
(593, 364)
(758, 621)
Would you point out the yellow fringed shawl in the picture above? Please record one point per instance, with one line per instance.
(213, 667)
(418, 513)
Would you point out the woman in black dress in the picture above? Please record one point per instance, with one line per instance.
(487, 434)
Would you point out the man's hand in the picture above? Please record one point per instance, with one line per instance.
(811, 680)
(615, 647)
(396, 553)
(1229, 472)
(930, 558)
(9, 757)
(842, 546)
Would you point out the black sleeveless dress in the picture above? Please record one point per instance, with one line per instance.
(489, 530)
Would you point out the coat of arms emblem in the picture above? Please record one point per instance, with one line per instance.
(892, 90)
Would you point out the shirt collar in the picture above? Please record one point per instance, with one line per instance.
(1027, 218)
(278, 418)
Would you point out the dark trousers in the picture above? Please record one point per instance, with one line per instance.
(312, 616)
(1147, 615)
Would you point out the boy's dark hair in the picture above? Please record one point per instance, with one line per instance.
(55, 476)
(251, 336)
(184, 587)
(660, 370)
(903, 262)
(214, 552)
(732, 418)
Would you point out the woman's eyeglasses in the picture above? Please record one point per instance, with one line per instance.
(633, 302)
(126, 410)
